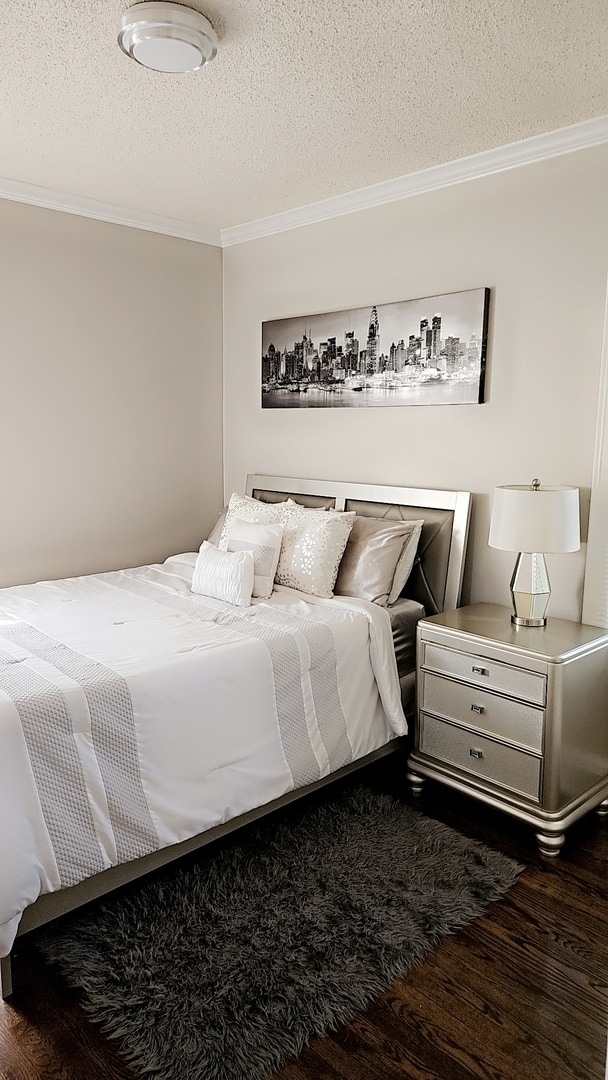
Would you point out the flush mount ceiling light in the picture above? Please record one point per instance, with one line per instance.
(167, 37)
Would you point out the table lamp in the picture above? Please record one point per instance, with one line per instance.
(532, 520)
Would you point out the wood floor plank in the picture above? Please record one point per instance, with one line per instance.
(509, 1020)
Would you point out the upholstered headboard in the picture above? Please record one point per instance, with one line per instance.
(436, 579)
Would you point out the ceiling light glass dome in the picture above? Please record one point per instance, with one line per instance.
(167, 37)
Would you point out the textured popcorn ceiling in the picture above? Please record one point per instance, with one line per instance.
(305, 100)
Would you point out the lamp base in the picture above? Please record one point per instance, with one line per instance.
(517, 621)
(530, 590)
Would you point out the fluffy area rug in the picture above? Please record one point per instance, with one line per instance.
(224, 968)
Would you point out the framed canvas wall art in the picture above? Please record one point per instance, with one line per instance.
(429, 351)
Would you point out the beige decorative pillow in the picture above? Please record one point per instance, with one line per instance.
(406, 560)
(373, 551)
(313, 545)
(264, 543)
(248, 509)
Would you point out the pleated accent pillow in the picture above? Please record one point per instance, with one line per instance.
(264, 543)
(224, 575)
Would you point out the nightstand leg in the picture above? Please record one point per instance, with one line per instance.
(415, 782)
(6, 977)
(602, 809)
(550, 844)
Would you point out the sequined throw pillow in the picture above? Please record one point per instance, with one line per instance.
(313, 545)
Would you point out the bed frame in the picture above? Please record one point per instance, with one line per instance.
(435, 582)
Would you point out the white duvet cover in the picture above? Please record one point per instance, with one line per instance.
(135, 714)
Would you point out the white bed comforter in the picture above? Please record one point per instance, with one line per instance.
(135, 714)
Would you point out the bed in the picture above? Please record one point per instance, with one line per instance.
(142, 716)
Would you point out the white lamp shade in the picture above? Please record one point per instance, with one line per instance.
(541, 519)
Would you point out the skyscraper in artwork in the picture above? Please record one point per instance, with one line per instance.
(373, 342)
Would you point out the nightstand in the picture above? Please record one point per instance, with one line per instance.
(517, 717)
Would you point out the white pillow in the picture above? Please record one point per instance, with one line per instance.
(248, 509)
(406, 561)
(313, 545)
(264, 543)
(224, 575)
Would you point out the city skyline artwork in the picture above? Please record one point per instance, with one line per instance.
(428, 351)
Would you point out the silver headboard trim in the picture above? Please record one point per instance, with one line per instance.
(339, 493)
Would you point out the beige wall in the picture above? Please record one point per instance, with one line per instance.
(111, 396)
(538, 237)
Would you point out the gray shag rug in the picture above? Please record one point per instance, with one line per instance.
(226, 967)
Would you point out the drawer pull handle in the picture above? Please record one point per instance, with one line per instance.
(480, 670)
(479, 709)
(476, 754)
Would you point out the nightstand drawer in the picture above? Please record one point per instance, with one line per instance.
(505, 718)
(488, 673)
(476, 755)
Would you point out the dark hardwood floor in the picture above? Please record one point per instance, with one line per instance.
(521, 994)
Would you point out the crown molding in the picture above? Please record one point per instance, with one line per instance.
(565, 140)
(99, 211)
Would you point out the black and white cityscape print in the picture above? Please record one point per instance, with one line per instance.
(430, 351)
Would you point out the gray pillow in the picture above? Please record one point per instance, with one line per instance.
(375, 551)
